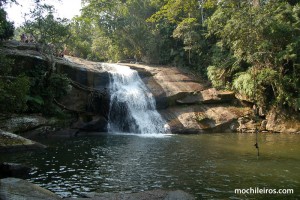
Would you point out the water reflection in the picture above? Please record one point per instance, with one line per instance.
(208, 166)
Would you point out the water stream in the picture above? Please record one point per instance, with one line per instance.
(132, 106)
(209, 166)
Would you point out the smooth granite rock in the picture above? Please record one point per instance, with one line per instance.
(18, 189)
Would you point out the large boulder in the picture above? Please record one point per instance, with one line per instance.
(203, 118)
(18, 189)
(10, 142)
(281, 123)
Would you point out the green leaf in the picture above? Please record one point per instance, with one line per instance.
(36, 99)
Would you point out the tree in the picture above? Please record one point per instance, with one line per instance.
(13, 88)
(51, 35)
(46, 29)
(264, 42)
(6, 27)
(125, 33)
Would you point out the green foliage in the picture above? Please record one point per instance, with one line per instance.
(244, 84)
(214, 74)
(46, 28)
(264, 41)
(6, 27)
(13, 89)
(116, 30)
(42, 93)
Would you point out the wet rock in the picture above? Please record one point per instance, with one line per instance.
(18, 189)
(95, 124)
(21, 123)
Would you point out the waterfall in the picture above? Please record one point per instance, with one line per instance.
(132, 105)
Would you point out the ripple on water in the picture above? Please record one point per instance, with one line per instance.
(208, 166)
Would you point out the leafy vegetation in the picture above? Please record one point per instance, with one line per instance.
(6, 27)
(264, 43)
(13, 88)
(34, 89)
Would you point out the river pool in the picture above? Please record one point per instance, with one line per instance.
(209, 166)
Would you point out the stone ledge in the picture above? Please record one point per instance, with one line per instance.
(18, 189)
(10, 142)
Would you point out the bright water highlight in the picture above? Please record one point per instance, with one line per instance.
(132, 106)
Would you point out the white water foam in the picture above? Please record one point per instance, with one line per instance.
(132, 105)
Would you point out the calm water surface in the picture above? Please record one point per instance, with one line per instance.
(209, 166)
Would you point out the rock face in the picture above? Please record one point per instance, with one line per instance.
(88, 85)
(282, 123)
(190, 106)
(18, 189)
(187, 105)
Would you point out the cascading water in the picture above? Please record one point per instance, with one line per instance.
(132, 106)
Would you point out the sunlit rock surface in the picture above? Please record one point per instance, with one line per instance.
(191, 106)
(10, 142)
(188, 105)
